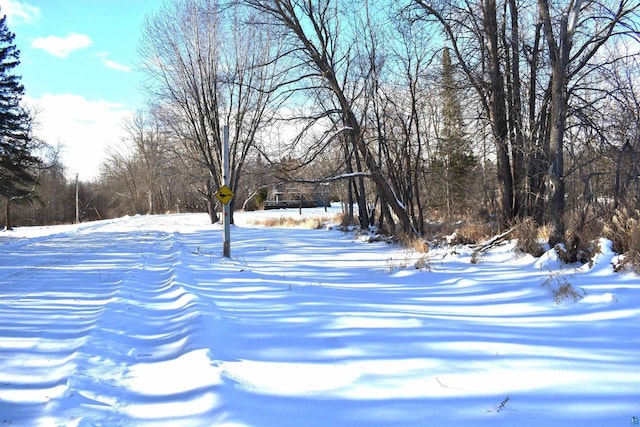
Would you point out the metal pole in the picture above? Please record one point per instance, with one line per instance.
(77, 202)
(226, 242)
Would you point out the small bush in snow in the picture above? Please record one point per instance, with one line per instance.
(461, 230)
(528, 235)
(471, 233)
(406, 260)
(562, 290)
(423, 263)
(394, 265)
(347, 221)
(624, 232)
(416, 243)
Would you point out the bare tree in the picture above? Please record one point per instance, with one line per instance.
(490, 51)
(209, 68)
(314, 32)
(573, 41)
(153, 155)
(475, 45)
(559, 55)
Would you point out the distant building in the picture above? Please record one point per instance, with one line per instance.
(298, 195)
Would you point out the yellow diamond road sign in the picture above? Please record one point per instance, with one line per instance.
(224, 194)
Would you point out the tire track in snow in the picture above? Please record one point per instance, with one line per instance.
(143, 350)
(43, 325)
(24, 257)
(126, 336)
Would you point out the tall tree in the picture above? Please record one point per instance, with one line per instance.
(455, 150)
(473, 30)
(209, 68)
(152, 154)
(559, 50)
(573, 41)
(497, 110)
(320, 45)
(17, 180)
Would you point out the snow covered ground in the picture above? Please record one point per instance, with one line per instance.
(140, 321)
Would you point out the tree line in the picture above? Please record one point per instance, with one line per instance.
(413, 110)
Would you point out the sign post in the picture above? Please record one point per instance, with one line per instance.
(225, 194)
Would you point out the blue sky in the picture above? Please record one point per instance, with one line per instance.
(78, 66)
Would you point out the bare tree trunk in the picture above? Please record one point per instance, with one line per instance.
(515, 117)
(559, 56)
(536, 151)
(7, 215)
(361, 197)
(498, 113)
(555, 178)
(351, 183)
(211, 202)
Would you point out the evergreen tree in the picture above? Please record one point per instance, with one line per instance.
(17, 162)
(455, 148)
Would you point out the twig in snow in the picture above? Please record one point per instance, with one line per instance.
(491, 243)
(503, 404)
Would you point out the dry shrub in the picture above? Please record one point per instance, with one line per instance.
(632, 256)
(465, 229)
(587, 230)
(529, 236)
(624, 232)
(423, 263)
(300, 222)
(472, 232)
(413, 242)
(347, 221)
(405, 261)
(582, 236)
(562, 290)
(580, 249)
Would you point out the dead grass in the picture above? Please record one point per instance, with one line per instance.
(529, 236)
(472, 232)
(624, 231)
(299, 222)
(415, 243)
(347, 221)
(423, 263)
(462, 231)
(408, 260)
(561, 289)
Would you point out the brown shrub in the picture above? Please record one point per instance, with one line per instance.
(478, 231)
(624, 231)
(529, 235)
(582, 236)
(293, 221)
(562, 290)
(347, 220)
(413, 242)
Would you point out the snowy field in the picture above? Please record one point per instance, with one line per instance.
(139, 321)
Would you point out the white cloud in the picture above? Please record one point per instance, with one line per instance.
(62, 47)
(85, 129)
(19, 12)
(113, 64)
(116, 66)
